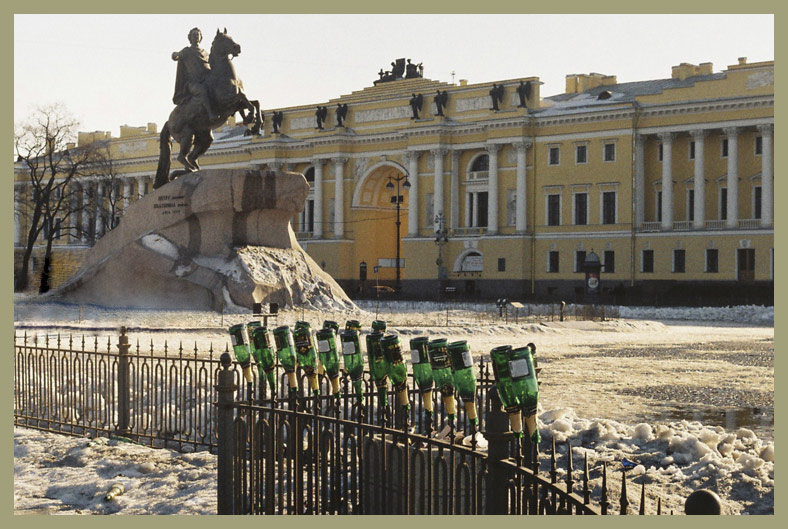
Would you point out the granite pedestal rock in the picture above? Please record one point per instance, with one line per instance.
(216, 239)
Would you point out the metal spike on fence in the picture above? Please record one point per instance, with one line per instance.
(624, 499)
(138, 346)
(46, 340)
(180, 348)
(586, 490)
(83, 342)
(95, 344)
(195, 348)
(70, 341)
(659, 506)
(552, 463)
(569, 468)
(604, 503)
(643, 497)
(58, 340)
(25, 340)
(109, 344)
(165, 347)
(151, 346)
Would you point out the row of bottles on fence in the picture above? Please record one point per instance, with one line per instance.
(437, 363)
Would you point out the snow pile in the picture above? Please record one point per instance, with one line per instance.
(739, 314)
(675, 458)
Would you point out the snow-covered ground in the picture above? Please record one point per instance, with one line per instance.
(685, 393)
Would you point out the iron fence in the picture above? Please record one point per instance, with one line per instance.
(291, 456)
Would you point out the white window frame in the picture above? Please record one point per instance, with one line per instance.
(574, 206)
(659, 152)
(706, 261)
(547, 196)
(579, 144)
(673, 260)
(755, 145)
(549, 155)
(724, 146)
(604, 151)
(579, 265)
(547, 269)
(602, 192)
(720, 202)
(691, 146)
(643, 260)
(690, 207)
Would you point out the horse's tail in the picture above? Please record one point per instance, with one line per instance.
(165, 152)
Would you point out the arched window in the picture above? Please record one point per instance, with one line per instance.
(310, 175)
(482, 163)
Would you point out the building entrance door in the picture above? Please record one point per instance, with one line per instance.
(746, 260)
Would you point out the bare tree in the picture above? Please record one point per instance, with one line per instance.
(49, 166)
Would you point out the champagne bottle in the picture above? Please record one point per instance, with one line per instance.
(285, 350)
(354, 360)
(379, 326)
(327, 350)
(264, 356)
(397, 371)
(353, 325)
(500, 357)
(377, 366)
(441, 372)
(521, 368)
(240, 340)
(330, 324)
(305, 351)
(422, 370)
(464, 378)
(303, 324)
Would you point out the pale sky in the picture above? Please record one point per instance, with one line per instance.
(113, 70)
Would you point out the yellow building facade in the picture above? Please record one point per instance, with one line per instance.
(669, 181)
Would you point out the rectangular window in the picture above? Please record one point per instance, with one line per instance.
(581, 209)
(609, 207)
(659, 206)
(555, 155)
(758, 145)
(723, 203)
(725, 147)
(691, 150)
(311, 210)
(553, 210)
(502, 264)
(659, 155)
(429, 220)
(609, 264)
(712, 260)
(691, 204)
(679, 260)
(552, 262)
(580, 258)
(581, 154)
(610, 152)
(482, 213)
(648, 261)
(756, 207)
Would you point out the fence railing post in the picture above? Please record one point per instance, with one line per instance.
(124, 390)
(225, 389)
(499, 438)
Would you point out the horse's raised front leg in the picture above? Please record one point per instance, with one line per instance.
(186, 140)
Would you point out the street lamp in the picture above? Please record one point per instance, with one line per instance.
(441, 238)
(397, 199)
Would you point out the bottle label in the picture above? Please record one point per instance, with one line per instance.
(467, 359)
(519, 368)
(415, 358)
(322, 346)
(348, 348)
(233, 340)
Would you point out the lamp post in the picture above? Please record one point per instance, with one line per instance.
(397, 199)
(441, 238)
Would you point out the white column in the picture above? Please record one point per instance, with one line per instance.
(667, 180)
(437, 206)
(492, 189)
(699, 212)
(126, 195)
(767, 174)
(413, 198)
(475, 212)
(140, 187)
(732, 133)
(520, 193)
(640, 181)
(85, 216)
(468, 199)
(339, 197)
(318, 213)
(454, 192)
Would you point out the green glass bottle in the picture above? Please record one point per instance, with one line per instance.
(377, 366)
(306, 325)
(264, 356)
(353, 325)
(500, 357)
(327, 351)
(240, 340)
(379, 326)
(521, 368)
(396, 368)
(330, 324)
(464, 378)
(285, 350)
(441, 372)
(353, 360)
(305, 351)
(422, 370)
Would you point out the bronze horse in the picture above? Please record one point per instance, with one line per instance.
(189, 123)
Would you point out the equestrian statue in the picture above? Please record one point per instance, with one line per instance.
(207, 93)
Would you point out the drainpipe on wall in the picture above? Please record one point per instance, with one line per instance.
(533, 206)
(632, 220)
